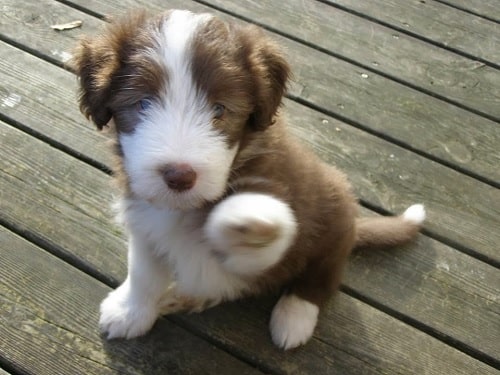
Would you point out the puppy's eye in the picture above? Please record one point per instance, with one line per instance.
(144, 104)
(219, 110)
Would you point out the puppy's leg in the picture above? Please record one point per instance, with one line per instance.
(132, 308)
(250, 232)
(294, 317)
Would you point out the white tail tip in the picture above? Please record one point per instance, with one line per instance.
(415, 214)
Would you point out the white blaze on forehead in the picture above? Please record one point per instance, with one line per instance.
(176, 38)
(178, 30)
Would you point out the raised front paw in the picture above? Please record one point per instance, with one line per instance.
(124, 317)
(250, 221)
(250, 232)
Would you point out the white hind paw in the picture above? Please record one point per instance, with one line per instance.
(415, 214)
(293, 321)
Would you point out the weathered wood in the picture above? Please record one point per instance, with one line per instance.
(375, 169)
(437, 22)
(435, 281)
(361, 334)
(440, 276)
(44, 195)
(50, 200)
(29, 95)
(447, 132)
(48, 314)
(380, 175)
(384, 180)
(64, 202)
(460, 79)
(388, 181)
(352, 335)
(486, 8)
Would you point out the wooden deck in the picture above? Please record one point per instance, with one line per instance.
(402, 95)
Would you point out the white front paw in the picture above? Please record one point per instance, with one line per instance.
(250, 220)
(293, 321)
(123, 316)
(250, 232)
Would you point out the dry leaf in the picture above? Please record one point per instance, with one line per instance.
(67, 26)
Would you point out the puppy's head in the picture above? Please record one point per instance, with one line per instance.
(182, 90)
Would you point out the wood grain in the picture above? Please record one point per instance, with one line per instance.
(48, 315)
(39, 105)
(411, 60)
(437, 22)
(351, 338)
(61, 202)
(383, 173)
(388, 181)
(405, 115)
(485, 8)
(71, 213)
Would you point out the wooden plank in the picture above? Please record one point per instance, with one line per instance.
(46, 187)
(310, 130)
(421, 64)
(380, 175)
(485, 8)
(48, 312)
(379, 171)
(446, 132)
(352, 336)
(65, 202)
(435, 273)
(360, 333)
(397, 277)
(429, 19)
(34, 99)
(428, 272)
(388, 181)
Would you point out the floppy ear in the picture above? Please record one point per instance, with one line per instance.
(94, 63)
(271, 73)
(98, 60)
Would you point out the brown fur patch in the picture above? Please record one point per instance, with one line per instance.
(275, 163)
(240, 68)
(113, 61)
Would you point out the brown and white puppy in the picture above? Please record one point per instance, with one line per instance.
(219, 201)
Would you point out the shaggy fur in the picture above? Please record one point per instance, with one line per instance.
(219, 201)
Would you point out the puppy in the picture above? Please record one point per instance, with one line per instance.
(219, 201)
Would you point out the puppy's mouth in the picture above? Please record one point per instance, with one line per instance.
(179, 201)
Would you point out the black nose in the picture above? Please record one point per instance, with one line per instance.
(179, 177)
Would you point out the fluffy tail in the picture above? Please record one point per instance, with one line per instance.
(379, 232)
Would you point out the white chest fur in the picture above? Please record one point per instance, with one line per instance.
(177, 238)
